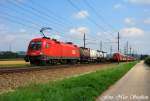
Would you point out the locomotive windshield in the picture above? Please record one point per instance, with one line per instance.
(35, 45)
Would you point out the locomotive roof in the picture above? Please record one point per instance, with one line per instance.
(40, 38)
(55, 40)
(44, 38)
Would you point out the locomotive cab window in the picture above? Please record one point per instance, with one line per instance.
(35, 45)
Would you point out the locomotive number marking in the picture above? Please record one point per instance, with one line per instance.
(73, 52)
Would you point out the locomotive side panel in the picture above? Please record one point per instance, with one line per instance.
(52, 49)
(70, 51)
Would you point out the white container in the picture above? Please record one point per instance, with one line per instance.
(100, 54)
(93, 54)
(104, 55)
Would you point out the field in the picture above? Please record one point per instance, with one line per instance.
(81, 88)
(13, 63)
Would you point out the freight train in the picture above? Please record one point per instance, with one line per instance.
(51, 51)
(46, 50)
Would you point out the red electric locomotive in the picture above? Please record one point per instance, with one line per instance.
(46, 50)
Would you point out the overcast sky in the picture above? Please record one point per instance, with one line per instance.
(100, 20)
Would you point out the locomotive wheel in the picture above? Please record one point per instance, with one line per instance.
(72, 61)
(75, 61)
(64, 61)
(53, 62)
(32, 62)
(43, 63)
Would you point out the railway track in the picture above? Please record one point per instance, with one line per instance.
(38, 68)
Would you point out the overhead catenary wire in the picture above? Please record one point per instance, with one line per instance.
(56, 16)
(18, 22)
(29, 12)
(32, 10)
(15, 21)
(35, 25)
(23, 9)
(20, 18)
(88, 18)
(42, 12)
(99, 15)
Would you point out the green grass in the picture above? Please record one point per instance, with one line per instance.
(82, 88)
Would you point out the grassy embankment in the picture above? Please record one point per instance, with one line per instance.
(147, 61)
(13, 63)
(82, 88)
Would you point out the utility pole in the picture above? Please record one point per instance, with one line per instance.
(130, 50)
(110, 50)
(10, 47)
(118, 45)
(127, 47)
(118, 42)
(101, 45)
(133, 52)
(125, 50)
(84, 40)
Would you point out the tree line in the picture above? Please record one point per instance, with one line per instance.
(11, 55)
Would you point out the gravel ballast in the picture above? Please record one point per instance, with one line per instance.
(8, 82)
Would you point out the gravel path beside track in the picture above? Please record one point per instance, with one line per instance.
(10, 81)
(134, 86)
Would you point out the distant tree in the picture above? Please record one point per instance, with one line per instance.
(143, 57)
(9, 55)
(147, 61)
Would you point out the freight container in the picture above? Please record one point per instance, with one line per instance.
(84, 54)
(93, 54)
(100, 54)
(104, 54)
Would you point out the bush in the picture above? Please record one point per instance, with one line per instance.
(147, 61)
